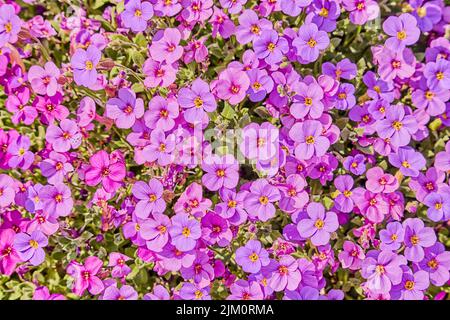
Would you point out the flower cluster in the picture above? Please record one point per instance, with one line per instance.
(232, 149)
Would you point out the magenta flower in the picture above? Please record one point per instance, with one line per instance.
(380, 182)
(118, 262)
(57, 199)
(318, 225)
(196, 101)
(361, 11)
(394, 64)
(64, 137)
(215, 230)
(221, 172)
(184, 232)
(232, 85)
(158, 73)
(30, 246)
(245, 290)
(310, 42)
(42, 293)
(252, 257)
(44, 81)
(9, 256)
(85, 276)
(293, 195)
(166, 46)
(105, 169)
(84, 63)
(136, 15)
(259, 201)
(351, 256)
(309, 140)
(125, 109)
(372, 205)
(18, 104)
(162, 113)
(259, 142)
(150, 198)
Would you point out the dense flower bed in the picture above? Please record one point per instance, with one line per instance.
(232, 149)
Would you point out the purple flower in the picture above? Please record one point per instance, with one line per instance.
(308, 101)
(438, 206)
(30, 246)
(7, 192)
(259, 201)
(317, 225)
(394, 64)
(10, 25)
(156, 231)
(309, 140)
(345, 97)
(125, 109)
(162, 113)
(126, 292)
(417, 237)
(196, 101)
(221, 172)
(160, 148)
(382, 269)
(166, 46)
(309, 42)
(411, 287)
(344, 69)
(190, 291)
(84, 63)
(252, 257)
(344, 202)
(57, 199)
(259, 142)
(438, 74)
(427, 14)
(55, 167)
(403, 31)
(184, 232)
(270, 47)
(436, 262)
(293, 195)
(397, 127)
(136, 15)
(432, 100)
(21, 157)
(251, 27)
(392, 237)
(285, 274)
(260, 84)
(293, 7)
(409, 161)
(65, 136)
(150, 198)
(200, 271)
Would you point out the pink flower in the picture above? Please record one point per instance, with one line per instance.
(85, 276)
(110, 172)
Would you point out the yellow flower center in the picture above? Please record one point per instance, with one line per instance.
(186, 232)
(152, 198)
(271, 46)
(264, 200)
(397, 125)
(255, 29)
(414, 239)
(232, 204)
(256, 85)
(34, 244)
(440, 75)
(253, 257)
(409, 285)
(406, 164)
(8, 27)
(401, 35)
(220, 173)
(323, 12)
(138, 13)
(198, 102)
(89, 65)
(438, 206)
(308, 102)
(310, 140)
(347, 193)
(421, 12)
(319, 224)
(312, 43)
